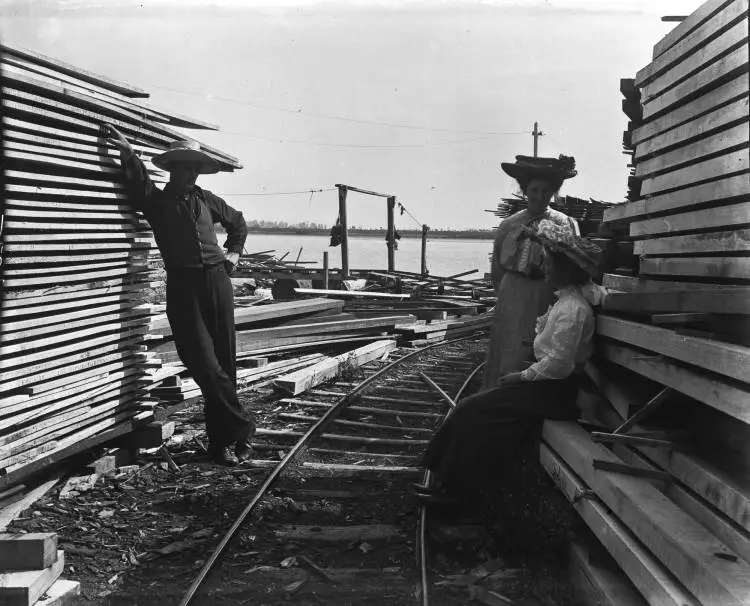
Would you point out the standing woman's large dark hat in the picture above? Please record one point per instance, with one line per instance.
(527, 168)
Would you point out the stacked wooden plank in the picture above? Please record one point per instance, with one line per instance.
(664, 483)
(588, 213)
(74, 261)
(30, 567)
(304, 333)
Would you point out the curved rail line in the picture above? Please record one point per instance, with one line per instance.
(315, 430)
(422, 555)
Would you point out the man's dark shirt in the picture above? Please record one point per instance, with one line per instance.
(184, 225)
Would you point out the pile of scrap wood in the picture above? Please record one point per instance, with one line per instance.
(588, 213)
(74, 261)
(664, 482)
(399, 281)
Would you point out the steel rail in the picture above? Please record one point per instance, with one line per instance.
(315, 429)
(422, 527)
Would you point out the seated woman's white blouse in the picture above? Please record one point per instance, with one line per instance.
(564, 337)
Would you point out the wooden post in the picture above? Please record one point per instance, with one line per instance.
(391, 234)
(325, 270)
(344, 234)
(425, 229)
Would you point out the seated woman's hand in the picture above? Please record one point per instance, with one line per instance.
(513, 377)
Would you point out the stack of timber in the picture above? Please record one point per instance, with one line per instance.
(588, 213)
(30, 567)
(664, 481)
(74, 261)
(424, 286)
(294, 325)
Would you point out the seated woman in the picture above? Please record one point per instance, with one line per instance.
(484, 432)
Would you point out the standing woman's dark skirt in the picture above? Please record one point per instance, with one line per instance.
(487, 431)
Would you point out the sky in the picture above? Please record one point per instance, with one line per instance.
(420, 99)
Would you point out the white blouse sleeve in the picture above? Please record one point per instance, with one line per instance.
(559, 361)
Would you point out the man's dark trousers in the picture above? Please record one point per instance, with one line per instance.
(200, 309)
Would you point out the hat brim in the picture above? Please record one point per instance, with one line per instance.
(533, 172)
(588, 260)
(208, 166)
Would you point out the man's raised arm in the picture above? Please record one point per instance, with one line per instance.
(139, 181)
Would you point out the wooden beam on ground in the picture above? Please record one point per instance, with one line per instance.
(62, 593)
(302, 380)
(350, 293)
(719, 357)
(683, 545)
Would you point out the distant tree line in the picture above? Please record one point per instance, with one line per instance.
(308, 227)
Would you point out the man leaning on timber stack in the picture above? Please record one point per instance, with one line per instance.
(200, 299)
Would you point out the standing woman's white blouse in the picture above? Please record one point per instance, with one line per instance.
(564, 335)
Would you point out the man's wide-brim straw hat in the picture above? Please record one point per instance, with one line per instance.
(186, 151)
(526, 168)
(581, 251)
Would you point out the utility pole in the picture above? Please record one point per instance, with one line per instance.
(536, 133)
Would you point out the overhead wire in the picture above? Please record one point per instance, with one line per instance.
(300, 112)
(284, 193)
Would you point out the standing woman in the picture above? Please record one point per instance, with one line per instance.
(517, 264)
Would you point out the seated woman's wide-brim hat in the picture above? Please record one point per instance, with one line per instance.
(581, 251)
(186, 151)
(529, 167)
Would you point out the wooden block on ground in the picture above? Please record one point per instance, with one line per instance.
(62, 593)
(302, 380)
(32, 551)
(25, 588)
(114, 458)
(152, 435)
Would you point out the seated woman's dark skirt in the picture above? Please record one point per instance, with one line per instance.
(484, 436)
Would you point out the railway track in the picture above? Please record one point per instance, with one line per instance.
(333, 522)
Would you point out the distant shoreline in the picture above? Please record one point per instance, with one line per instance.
(442, 234)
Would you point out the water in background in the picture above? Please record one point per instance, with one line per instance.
(445, 256)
